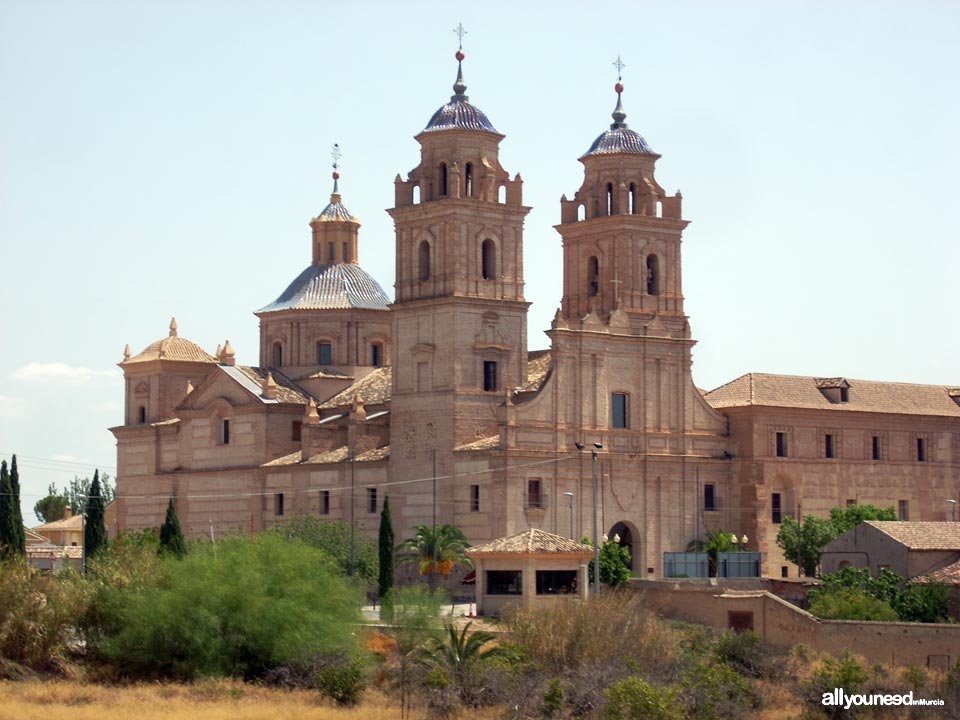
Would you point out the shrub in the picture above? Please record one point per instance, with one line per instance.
(635, 699)
(716, 691)
(923, 602)
(340, 678)
(743, 653)
(849, 604)
(238, 608)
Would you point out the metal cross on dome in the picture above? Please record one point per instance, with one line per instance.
(619, 65)
(460, 33)
(335, 154)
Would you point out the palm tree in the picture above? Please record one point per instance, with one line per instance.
(437, 549)
(458, 655)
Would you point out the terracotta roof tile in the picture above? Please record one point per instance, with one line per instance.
(790, 391)
(342, 454)
(949, 575)
(374, 389)
(172, 348)
(487, 443)
(539, 364)
(287, 391)
(531, 541)
(291, 459)
(917, 535)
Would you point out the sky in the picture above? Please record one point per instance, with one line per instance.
(163, 159)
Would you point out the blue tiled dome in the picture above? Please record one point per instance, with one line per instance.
(459, 115)
(620, 140)
(339, 286)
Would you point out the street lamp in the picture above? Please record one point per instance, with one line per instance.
(953, 507)
(596, 544)
(570, 497)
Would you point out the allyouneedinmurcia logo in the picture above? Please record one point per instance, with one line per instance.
(838, 697)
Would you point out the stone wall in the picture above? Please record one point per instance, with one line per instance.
(780, 623)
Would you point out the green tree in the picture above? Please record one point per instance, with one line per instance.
(94, 527)
(633, 698)
(8, 532)
(923, 602)
(457, 656)
(20, 532)
(50, 508)
(333, 538)
(851, 604)
(718, 541)
(238, 609)
(386, 550)
(614, 563)
(437, 550)
(847, 518)
(803, 543)
(171, 535)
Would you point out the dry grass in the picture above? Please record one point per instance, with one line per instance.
(211, 700)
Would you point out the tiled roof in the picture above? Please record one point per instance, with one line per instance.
(619, 140)
(74, 522)
(487, 443)
(335, 211)
(340, 286)
(539, 363)
(172, 348)
(287, 392)
(291, 459)
(459, 115)
(949, 575)
(374, 389)
(74, 552)
(921, 535)
(531, 541)
(342, 454)
(792, 391)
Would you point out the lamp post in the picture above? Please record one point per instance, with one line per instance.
(570, 498)
(596, 543)
(953, 508)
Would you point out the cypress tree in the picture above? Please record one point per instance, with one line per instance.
(94, 529)
(171, 535)
(7, 533)
(386, 547)
(19, 531)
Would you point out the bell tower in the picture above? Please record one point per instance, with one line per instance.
(622, 233)
(459, 317)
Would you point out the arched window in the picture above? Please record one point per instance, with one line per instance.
(424, 254)
(489, 253)
(653, 275)
(223, 431)
(468, 181)
(633, 198)
(277, 354)
(502, 194)
(415, 195)
(581, 212)
(609, 198)
(593, 276)
(443, 179)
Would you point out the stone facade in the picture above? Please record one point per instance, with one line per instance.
(435, 399)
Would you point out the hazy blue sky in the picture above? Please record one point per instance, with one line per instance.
(164, 158)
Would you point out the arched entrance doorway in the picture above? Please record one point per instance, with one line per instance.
(629, 538)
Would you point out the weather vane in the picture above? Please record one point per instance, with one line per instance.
(619, 65)
(460, 33)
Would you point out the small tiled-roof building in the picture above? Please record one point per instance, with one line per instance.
(910, 549)
(528, 568)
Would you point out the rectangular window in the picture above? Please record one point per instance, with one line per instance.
(324, 502)
(225, 431)
(784, 571)
(921, 450)
(556, 582)
(344, 252)
(618, 403)
(423, 376)
(876, 447)
(903, 510)
(296, 430)
(829, 446)
(851, 502)
(776, 512)
(375, 355)
(489, 375)
(371, 500)
(474, 498)
(844, 394)
(504, 582)
(709, 497)
(330, 253)
(143, 414)
(781, 444)
(534, 494)
(324, 353)
(278, 504)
